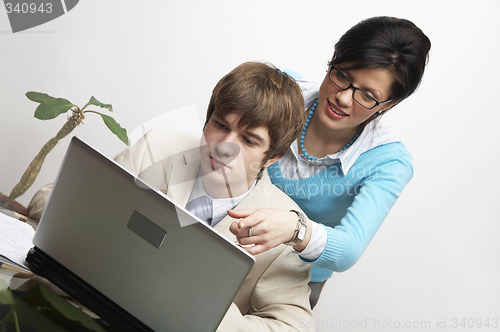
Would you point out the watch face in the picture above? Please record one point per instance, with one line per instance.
(302, 233)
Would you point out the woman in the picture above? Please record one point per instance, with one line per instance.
(347, 169)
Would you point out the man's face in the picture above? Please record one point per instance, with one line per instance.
(231, 157)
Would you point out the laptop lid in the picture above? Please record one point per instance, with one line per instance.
(129, 242)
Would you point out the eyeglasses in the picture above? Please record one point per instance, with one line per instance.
(362, 97)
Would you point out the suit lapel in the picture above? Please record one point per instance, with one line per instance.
(181, 181)
(252, 201)
(259, 197)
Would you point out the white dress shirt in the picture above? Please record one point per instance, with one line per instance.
(220, 206)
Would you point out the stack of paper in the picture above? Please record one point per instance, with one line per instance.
(15, 241)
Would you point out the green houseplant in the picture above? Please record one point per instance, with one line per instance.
(50, 108)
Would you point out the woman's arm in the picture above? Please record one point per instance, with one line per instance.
(347, 241)
(378, 193)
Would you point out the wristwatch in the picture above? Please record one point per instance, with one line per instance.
(300, 231)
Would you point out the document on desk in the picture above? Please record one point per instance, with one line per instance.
(15, 241)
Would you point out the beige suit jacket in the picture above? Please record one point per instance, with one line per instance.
(275, 295)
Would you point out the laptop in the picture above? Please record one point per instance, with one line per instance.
(123, 250)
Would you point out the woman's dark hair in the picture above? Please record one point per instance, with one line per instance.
(391, 43)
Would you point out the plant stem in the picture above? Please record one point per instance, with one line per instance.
(91, 112)
(16, 320)
(31, 173)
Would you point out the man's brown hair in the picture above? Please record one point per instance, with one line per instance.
(262, 96)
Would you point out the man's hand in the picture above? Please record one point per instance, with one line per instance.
(270, 228)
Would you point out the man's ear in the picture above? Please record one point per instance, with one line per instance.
(271, 161)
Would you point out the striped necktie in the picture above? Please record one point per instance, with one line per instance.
(201, 207)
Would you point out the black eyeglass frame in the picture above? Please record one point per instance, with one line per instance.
(354, 88)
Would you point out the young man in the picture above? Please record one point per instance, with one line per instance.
(254, 114)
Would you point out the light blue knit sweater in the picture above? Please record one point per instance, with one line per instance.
(352, 206)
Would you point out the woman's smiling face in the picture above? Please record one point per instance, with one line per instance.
(338, 110)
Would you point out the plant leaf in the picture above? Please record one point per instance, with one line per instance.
(96, 102)
(38, 96)
(115, 128)
(59, 310)
(51, 108)
(5, 294)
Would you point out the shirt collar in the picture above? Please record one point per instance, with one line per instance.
(220, 205)
(374, 134)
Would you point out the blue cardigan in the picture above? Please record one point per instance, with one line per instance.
(352, 206)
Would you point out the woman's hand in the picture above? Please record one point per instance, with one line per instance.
(270, 228)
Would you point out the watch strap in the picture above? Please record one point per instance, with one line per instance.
(300, 230)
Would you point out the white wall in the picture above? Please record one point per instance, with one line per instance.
(435, 259)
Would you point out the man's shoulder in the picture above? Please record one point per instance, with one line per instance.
(276, 198)
(171, 137)
(156, 145)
